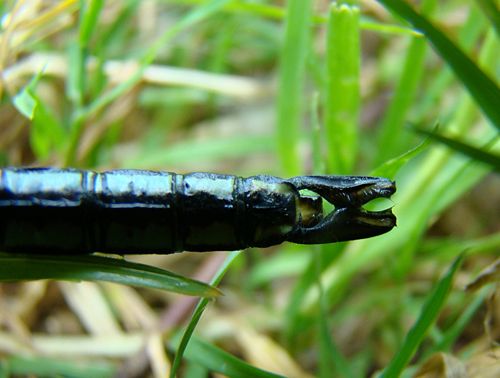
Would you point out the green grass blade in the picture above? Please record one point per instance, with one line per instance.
(420, 195)
(198, 311)
(58, 367)
(451, 335)
(490, 9)
(331, 359)
(392, 126)
(88, 24)
(4, 369)
(446, 247)
(22, 267)
(112, 34)
(25, 100)
(250, 7)
(25, 103)
(46, 132)
(475, 153)
(76, 80)
(342, 88)
(316, 133)
(78, 52)
(391, 167)
(191, 151)
(468, 37)
(306, 281)
(195, 16)
(291, 83)
(426, 319)
(444, 193)
(217, 360)
(484, 91)
(285, 264)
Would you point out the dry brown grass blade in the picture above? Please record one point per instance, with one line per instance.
(261, 351)
(88, 303)
(442, 365)
(31, 20)
(488, 275)
(119, 71)
(485, 365)
(173, 315)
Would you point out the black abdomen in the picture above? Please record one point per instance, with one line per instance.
(127, 211)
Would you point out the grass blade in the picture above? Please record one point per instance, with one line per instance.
(469, 36)
(21, 267)
(449, 338)
(308, 279)
(88, 24)
(250, 7)
(47, 134)
(392, 126)
(198, 311)
(427, 317)
(485, 92)
(490, 274)
(217, 360)
(78, 53)
(57, 367)
(291, 82)
(391, 167)
(490, 9)
(342, 88)
(76, 79)
(331, 359)
(192, 18)
(203, 150)
(474, 153)
(25, 100)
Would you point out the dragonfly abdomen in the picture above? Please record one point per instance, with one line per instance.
(131, 211)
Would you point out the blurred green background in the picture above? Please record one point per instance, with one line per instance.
(244, 87)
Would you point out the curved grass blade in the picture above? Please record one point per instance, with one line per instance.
(426, 319)
(485, 92)
(391, 167)
(487, 276)
(46, 132)
(17, 267)
(198, 311)
(473, 152)
(217, 360)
